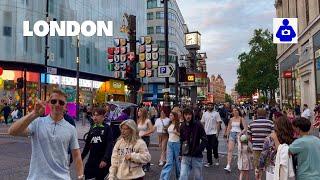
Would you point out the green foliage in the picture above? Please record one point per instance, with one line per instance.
(228, 98)
(257, 70)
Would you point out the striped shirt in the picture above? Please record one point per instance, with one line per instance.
(259, 129)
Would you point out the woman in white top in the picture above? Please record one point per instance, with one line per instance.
(173, 148)
(237, 126)
(145, 129)
(161, 125)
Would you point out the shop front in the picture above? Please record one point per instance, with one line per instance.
(112, 90)
(290, 81)
(12, 92)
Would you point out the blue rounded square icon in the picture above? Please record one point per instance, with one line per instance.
(285, 30)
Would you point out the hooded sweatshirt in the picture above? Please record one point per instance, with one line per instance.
(195, 135)
(132, 169)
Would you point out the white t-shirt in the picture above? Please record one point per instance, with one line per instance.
(210, 120)
(173, 137)
(306, 113)
(160, 123)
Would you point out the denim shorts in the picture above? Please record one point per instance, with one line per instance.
(233, 136)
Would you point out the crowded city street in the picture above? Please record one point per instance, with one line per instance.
(159, 89)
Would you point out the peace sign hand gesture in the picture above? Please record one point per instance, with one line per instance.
(39, 107)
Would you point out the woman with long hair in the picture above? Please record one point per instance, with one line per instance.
(173, 148)
(237, 126)
(161, 125)
(129, 153)
(283, 137)
(283, 133)
(145, 129)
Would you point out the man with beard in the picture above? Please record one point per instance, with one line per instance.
(212, 123)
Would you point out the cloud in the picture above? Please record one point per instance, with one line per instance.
(226, 27)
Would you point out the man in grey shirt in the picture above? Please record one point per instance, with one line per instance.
(51, 137)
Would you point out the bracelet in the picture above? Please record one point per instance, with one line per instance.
(81, 177)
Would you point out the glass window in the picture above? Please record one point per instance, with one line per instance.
(150, 16)
(7, 31)
(160, 15)
(159, 30)
(161, 43)
(151, 4)
(150, 30)
(61, 48)
(38, 44)
(88, 55)
(25, 43)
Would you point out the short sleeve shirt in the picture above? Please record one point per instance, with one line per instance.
(50, 143)
(307, 149)
(210, 120)
(160, 123)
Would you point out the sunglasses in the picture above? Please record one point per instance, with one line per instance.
(54, 101)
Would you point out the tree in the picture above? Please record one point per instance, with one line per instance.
(228, 98)
(257, 69)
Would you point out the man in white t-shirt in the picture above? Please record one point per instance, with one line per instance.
(212, 123)
(306, 112)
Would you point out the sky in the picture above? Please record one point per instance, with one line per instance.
(226, 27)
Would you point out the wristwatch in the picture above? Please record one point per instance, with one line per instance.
(81, 177)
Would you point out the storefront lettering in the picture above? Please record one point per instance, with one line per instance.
(117, 85)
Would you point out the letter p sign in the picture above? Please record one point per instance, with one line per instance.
(163, 70)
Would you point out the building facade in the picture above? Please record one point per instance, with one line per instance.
(155, 28)
(235, 96)
(19, 53)
(299, 64)
(217, 89)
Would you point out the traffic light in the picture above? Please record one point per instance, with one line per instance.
(182, 74)
(20, 83)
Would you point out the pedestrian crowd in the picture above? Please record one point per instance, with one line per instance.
(275, 144)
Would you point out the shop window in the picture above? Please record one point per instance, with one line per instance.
(150, 30)
(150, 16)
(61, 48)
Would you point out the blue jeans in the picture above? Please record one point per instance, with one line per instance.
(191, 163)
(173, 150)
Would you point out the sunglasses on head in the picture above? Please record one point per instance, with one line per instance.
(54, 101)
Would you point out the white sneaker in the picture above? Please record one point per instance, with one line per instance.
(217, 162)
(161, 163)
(227, 168)
(207, 165)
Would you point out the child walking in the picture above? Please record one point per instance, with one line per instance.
(244, 157)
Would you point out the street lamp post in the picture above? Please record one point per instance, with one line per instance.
(166, 55)
(176, 82)
(77, 76)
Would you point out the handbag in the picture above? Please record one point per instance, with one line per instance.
(165, 128)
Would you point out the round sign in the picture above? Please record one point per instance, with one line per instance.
(1, 71)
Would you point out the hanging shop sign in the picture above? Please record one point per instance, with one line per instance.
(287, 74)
